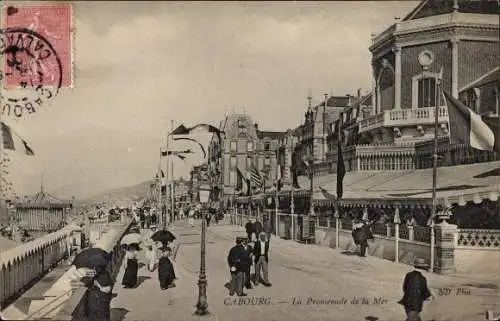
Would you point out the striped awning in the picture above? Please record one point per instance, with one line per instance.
(455, 185)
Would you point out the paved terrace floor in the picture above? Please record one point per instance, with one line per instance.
(300, 271)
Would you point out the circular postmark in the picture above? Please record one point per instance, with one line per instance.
(30, 71)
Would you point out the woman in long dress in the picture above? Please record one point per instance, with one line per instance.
(166, 273)
(151, 252)
(191, 218)
(99, 296)
(130, 275)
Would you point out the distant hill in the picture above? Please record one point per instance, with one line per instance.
(123, 195)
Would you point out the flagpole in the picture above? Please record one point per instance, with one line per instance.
(167, 178)
(172, 176)
(434, 169)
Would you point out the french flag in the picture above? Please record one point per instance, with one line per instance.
(12, 141)
(469, 128)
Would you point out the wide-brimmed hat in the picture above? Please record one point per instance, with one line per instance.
(262, 233)
(419, 263)
(241, 239)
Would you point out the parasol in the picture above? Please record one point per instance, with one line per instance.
(163, 236)
(132, 238)
(90, 258)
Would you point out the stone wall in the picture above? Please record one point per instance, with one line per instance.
(383, 247)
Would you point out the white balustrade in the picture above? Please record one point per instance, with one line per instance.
(478, 238)
(403, 117)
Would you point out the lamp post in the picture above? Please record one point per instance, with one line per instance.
(202, 305)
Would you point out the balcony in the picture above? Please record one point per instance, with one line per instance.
(403, 117)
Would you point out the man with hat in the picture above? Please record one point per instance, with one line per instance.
(415, 291)
(238, 262)
(261, 255)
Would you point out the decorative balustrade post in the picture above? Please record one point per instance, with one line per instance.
(337, 226)
(388, 230)
(411, 233)
(445, 235)
(397, 221)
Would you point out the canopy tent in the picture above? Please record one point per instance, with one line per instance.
(43, 199)
(455, 185)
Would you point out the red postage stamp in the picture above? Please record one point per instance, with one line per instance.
(40, 38)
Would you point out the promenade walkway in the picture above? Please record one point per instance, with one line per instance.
(357, 288)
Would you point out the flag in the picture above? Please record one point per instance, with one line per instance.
(295, 179)
(193, 140)
(14, 142)
(183, 130)
(176, 152)
(242, 180)
(340, 169)
(470, 128)
(239, 181)
(254, 176)
(279, 180)
(326, 194)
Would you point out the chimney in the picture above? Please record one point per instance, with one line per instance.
(256, 126)
(359, 93)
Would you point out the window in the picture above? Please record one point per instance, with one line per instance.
(424, 90)
(234, 146)
(232, 177)
(250, 146)
(249, 162)
(267, 161)
(242, 128)
(267, 146)
(233, 162)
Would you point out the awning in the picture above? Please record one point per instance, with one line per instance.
(455, 185)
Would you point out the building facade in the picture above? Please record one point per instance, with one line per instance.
(195, 179)
(244, 146)
(312, 136)
(182, 195)
(407, 60)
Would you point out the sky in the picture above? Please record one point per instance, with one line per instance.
(140, 65)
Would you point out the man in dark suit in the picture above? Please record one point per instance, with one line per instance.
(268, 227)
(415, 291)
(258, 228)
(238, 262)
(261, 255)
(250, 229)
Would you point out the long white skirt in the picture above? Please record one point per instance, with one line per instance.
(191, 221)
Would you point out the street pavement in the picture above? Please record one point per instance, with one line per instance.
(310, 282)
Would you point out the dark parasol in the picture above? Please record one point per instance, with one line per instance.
(91, 258)
(163, 236)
